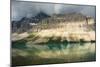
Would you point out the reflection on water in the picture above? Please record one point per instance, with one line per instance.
(53, 53)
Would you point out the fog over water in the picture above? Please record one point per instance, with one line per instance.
(22, 9)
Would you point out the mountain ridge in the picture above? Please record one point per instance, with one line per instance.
(26, 24)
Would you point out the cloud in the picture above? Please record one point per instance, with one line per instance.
(89, 11)
(28, 9)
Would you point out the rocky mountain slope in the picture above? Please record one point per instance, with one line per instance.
(72, 27)
(25, 24)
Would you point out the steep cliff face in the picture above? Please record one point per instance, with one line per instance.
(44, 21)
(68, 22)
(71, 27)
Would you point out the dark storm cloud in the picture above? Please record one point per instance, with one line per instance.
(29, 9)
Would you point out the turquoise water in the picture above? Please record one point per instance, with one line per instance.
(30, 54)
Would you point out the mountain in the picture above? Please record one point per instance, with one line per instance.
(70, 17)
(24, 24)
(41, 15)
(44, 21)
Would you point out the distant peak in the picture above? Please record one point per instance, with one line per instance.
(42, 14)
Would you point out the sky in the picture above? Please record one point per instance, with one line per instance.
(20, 9)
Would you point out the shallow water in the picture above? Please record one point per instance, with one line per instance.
(30, 54)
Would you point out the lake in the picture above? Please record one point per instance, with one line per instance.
(51, 53)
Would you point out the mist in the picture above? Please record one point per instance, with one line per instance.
(20, 9)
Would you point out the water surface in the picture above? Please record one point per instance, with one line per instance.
(31, 54)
